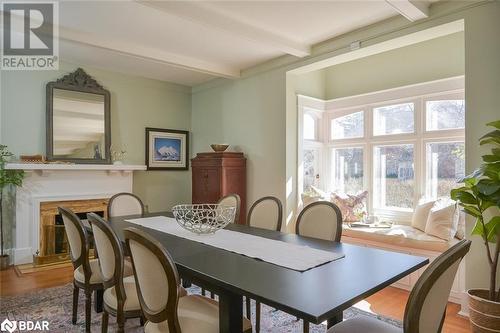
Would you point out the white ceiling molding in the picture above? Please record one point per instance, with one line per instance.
(412, 10)
(206, 14)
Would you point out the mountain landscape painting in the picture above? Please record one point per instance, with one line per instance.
(167, 149)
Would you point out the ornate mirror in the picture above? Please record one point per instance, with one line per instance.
(78, 120)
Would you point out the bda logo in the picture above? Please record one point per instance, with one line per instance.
(8, 325)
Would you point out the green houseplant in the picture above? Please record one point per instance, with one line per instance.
(480, 198)
(7, 178)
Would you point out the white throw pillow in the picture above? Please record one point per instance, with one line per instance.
(461, 224)
(443, 220)
(420, 215)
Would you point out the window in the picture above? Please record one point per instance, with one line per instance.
(393, 119)
(399, 145)
(394, 176)
(309, 127)
(349, 126)
(445, 164)
(311, 165)
(347, 170)
(445, 114)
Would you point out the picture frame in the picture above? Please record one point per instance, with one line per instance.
(167, 149)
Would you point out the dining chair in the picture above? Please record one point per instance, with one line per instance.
(124, 203)
(87, 274)
(265, 213)
(322, 220)
(232, 200)
(120, 294)
(426, 307)
(157, 282)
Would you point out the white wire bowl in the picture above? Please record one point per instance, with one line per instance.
(203, 218)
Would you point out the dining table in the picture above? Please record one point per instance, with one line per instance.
(316, 295)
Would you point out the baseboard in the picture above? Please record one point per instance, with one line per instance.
(23, 256)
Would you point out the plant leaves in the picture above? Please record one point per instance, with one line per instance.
(478, 229)
(471, 210)
(495, 124)
(492, 229)
(488, 187)
(491, 158)
(463, 196)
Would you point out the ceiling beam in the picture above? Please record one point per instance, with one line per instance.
(205, 14)
(150, 54)
(412, 10)
(143, 52)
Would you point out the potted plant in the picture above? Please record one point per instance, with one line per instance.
(7, 178)
(480, 198)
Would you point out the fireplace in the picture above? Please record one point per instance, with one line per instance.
(54, 245)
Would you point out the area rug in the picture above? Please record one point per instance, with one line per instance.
(54, 306)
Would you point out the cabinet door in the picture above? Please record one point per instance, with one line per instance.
(206, 185)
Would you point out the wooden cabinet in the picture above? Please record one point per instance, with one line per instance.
(218, 174)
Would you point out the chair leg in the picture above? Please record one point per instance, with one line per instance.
(76, 291)
(203, 291)
(142, 320)
(212, 296)
(257, 316)
(248, 308)
(88, 310)
(120, 319)
(306, 326)
(105, 317)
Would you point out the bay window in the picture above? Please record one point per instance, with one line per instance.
(399, 145)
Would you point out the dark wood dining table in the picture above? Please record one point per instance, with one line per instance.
(318, 294)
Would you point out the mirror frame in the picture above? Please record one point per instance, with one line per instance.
(81, 82)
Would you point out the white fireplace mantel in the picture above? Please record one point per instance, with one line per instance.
(61, 182)
(43, 168)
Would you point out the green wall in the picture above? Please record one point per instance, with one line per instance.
(136, 103)
(431, 60)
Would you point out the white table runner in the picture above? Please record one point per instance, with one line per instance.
(293, 256)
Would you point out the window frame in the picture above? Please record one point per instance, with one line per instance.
(453, 88)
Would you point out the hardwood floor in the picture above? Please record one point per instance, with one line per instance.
(389, 302)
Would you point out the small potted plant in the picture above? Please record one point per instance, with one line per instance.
(480, 198)
(7, 178)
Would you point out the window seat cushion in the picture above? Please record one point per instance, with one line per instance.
(400, 235)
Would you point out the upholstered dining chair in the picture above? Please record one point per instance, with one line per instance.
(426, 307)
(322, 220)
(87, 274)
(232, 200)
(265, 213)
(120, 294)
(124, 203)
(157, 282)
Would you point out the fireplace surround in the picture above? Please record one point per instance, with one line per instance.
(45, 187)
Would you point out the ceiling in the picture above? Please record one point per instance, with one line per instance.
(191, 42)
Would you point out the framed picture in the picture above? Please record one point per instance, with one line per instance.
(167, 149)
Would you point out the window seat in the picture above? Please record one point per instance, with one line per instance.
(399, 235)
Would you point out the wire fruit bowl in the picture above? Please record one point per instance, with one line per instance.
(203, 219)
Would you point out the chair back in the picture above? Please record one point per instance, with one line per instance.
(156, 278)
(232, 200)
(125, 203)
(426, 306)
(77, 239)
(266, 213)
(110, 255)
(320, 219)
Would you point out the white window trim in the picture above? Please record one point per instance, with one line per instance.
(419, 94)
